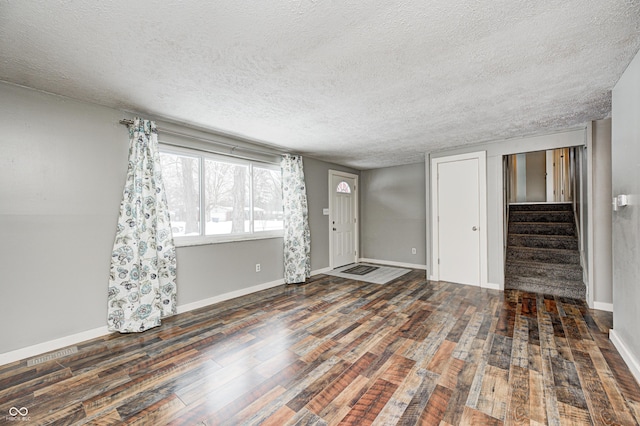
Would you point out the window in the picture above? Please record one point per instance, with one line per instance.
(344, 188)
(216, 198)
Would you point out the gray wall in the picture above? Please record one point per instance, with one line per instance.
(316, 175)
(211, 270)
(495, 201)
(536, 182)
(62, 171)
(625, 153)
(392, 212)
(601, 212)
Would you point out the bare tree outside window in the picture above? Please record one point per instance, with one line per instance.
(239, 192)
(226, 187)
(217, 186)
(267, 199)
(181, 179)
(191, 196)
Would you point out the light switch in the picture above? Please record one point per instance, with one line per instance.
(325, 212)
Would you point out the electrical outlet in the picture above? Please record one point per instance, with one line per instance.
(413, 251)
(257, 267)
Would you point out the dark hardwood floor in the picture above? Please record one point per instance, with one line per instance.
(337, 351)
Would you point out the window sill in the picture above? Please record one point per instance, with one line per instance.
(221, 239)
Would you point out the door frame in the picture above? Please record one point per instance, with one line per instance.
(481, 156)
(356, 207)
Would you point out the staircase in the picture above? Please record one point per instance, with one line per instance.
(542, 251)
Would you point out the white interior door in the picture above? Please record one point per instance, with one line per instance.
(458, 221)
(343, 218)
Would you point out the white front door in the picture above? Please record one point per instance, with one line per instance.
(343, 217)
(458, 219)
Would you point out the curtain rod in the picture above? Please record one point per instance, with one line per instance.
(127, 122)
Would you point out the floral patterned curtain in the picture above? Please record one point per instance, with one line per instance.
(297, 236)
(142, 284)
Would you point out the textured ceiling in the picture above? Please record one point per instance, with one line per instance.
(366, 84)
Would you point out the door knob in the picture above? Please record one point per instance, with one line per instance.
(334, 229)
(475, 228)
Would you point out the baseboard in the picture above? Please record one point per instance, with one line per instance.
(321, 271)
(629, 358)
(227, 296)
(601, 306)
(489, 286)
(51, 345)
(392, 263)
(56, 344)
(238, 293)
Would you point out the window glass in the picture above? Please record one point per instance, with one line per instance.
(233, 198)
(344, 188)
(181, 177)
(227, 198)
(267, 199)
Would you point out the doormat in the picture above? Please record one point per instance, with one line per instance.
(360, 270)
(379, 275)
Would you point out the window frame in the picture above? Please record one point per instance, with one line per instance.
(202, 156)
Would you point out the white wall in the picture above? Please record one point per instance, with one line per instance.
(625, 154)
(62, 171)
(495, 202)
(392, 213)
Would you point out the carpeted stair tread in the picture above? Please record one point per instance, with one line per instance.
(541, 264)
(541, 216)
(541, 207)
(550, 282)
(543, 270)
(562, 237)
(562, 288)
(568, 242)
(546, 255)
(542, 228)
